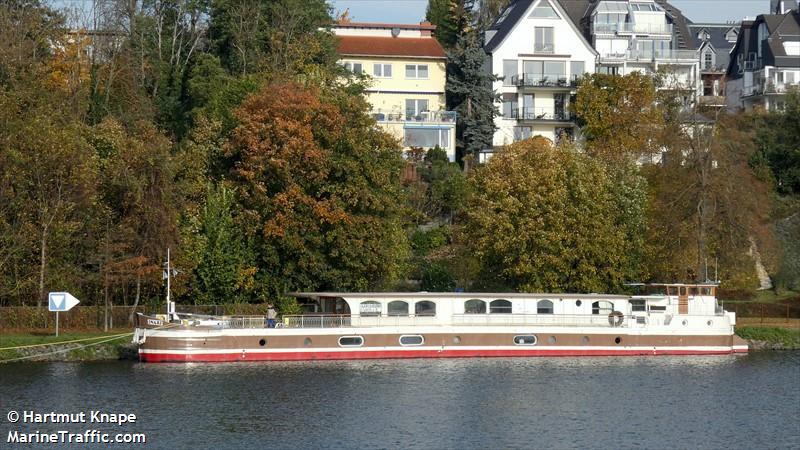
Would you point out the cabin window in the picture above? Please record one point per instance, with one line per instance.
(578, 303)
(705, 291)
(672, 290)
(657, 308)
(425, 308)
(693, 291)
(500, 307)
(602, 307)
(414, 339)
(544, 307)
(370, 308)
(683, 290)
(351, 341)
(638, 306)
(475, 306)
(398, 308)
(527, 339)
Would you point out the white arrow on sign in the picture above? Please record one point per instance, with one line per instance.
(62, 301)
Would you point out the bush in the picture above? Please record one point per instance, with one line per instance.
(437, 278)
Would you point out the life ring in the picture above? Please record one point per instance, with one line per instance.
(615, 319)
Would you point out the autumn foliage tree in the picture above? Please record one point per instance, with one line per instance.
(319, 187)
(544, 218)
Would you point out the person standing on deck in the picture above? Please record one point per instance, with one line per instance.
(271, 315)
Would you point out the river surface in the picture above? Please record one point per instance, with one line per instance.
(748, 402)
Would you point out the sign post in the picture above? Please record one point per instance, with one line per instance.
(60, 301)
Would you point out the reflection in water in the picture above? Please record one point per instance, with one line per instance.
(652, 402)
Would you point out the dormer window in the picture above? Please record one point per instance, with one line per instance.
(731, 35)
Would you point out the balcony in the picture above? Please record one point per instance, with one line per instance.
(712, 100)
(666, 55)
(632, 28)
(551, 80)
(541, 114)
(421, 117)
(768, 87)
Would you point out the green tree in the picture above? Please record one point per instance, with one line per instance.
(320, 189)
(225, 272)
(469, 92)
(544, 218)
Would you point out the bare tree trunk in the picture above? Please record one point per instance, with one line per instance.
(42, 266)
(138, 291)
(105, 307)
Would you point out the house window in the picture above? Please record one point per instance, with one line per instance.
(608, 70)
(708, 60)
(543, 40)
(509, 71)
(475, 306)
(500, 306)
(577, 69)
(521, 133)
(510, 106)
(413, 339)
(370, 308)
(544, 307)
(425, 308)
(354, 67)
(601, 307)
(638, 306)
(414, 107)
(417, 71)
(427, 137)
(382, 70)
(544, 10)
(555, 71)
(351, 341)
(398, 308)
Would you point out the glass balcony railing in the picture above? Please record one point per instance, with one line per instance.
(545, 80)
(632, 28)
(422, 116)
(653, 55)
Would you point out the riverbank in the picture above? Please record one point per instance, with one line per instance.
(770, 337)
(85, 346)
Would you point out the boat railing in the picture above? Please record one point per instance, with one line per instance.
(575, 320)
(355, 320)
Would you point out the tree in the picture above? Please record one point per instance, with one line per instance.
(619, 116)
(469, 92)
(452, 18)
(225, 272)
(543, 218)
(319, 185)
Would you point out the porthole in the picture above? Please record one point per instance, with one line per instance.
(306, 342)
(617, 340)
(412, 339)
(262, 342)
(710, 322)
(585, 340)
(456, 339)
(351, 341)
(551, 340)
(528, 339)
(578, 303)
(685, 322)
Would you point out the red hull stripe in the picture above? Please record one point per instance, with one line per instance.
(390, 354)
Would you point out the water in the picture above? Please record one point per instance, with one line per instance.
(744, 402)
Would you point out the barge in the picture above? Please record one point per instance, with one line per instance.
(661, 319)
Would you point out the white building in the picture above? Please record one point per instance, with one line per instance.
(765, 63)
(539, 55)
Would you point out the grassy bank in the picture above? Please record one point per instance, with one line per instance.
(84, 346)
(770, 337)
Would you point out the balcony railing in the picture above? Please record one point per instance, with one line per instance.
(546, 114)
(544, 48)
(545, 80)
(628, 27)
(355, 320)
(424, 116)
(767, 87)
(653, 55)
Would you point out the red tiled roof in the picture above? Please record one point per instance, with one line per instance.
(389, 46)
